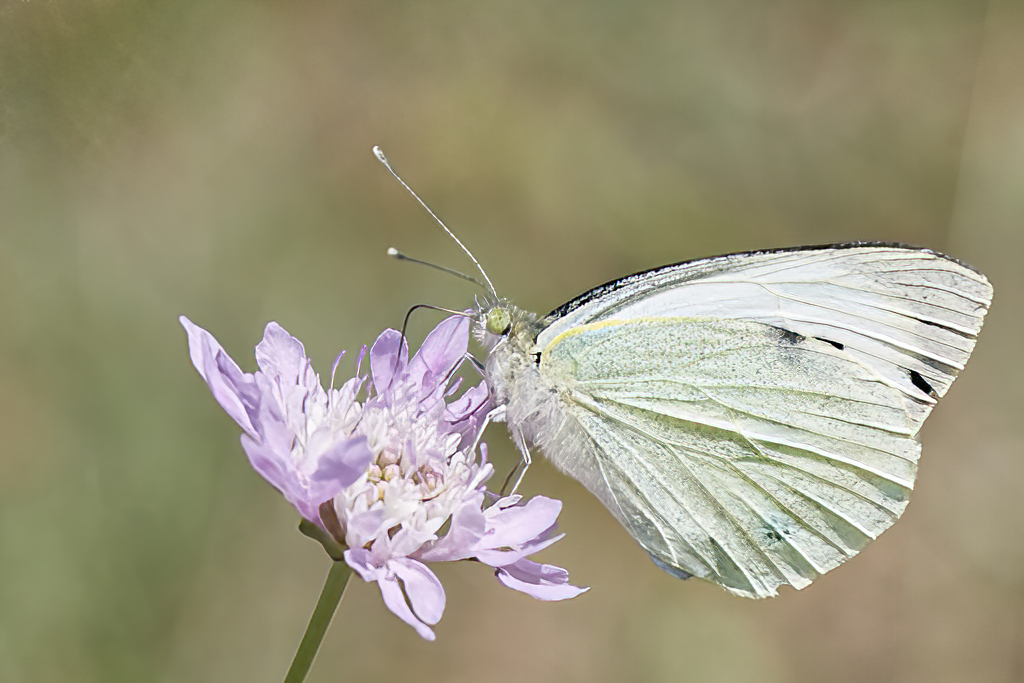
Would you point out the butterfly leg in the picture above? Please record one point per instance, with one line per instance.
(495, 415)
(520, 442)
(474, 362)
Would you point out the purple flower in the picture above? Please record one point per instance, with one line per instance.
(396, 479)
(297, 436)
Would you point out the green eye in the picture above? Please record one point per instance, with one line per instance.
(498, 321)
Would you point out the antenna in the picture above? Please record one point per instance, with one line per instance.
(384, 160)
(405, 324)
(430, 307)
(395, 254)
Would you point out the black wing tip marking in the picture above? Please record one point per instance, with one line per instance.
(921, 383)
(612, 285)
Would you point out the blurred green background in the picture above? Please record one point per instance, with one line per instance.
(212, 158)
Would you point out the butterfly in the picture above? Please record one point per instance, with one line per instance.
(750, 419)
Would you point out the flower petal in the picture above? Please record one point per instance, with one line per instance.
(501, 558)
(360, 560)
(466, 407)
(233, 389)
(441, 352)
(290, 379)
(467, 527)
(364, 527)
(409, 539)
(395, 601)
(338, 468)
(281, 356)
(424, 590)
(267, 461)
(387, 359)
(541, 581)
(519, 524)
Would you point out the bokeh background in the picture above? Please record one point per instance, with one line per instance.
(212, 158)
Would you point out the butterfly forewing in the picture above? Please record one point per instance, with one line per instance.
(752, 419)
(909, 314)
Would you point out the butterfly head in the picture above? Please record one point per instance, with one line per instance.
(502, 321)
(494, 323)
(498, 320)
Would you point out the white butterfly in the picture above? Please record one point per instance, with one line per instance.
(750, 419)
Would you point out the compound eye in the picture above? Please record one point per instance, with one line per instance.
(499, 321)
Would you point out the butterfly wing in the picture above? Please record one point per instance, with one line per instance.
(910, 314)
(768, 443)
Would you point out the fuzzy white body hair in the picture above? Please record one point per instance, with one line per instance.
(536, 411)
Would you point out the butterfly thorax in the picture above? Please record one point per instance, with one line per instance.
(509, 335)
(532, 397)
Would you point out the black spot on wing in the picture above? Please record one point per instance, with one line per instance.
(790, 337)
(922, 384)
(836, 344)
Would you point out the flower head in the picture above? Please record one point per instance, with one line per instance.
(397, 479)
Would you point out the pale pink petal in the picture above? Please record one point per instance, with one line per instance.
(360, 560)
(394, 600)
(278, 472)
(364, 527)
(281, 356)
(540, 581)
(520, 524)
(407, 540)
(453, 387)
(423, 589)
(500, 558)
(474, 402)
(386, 359)
(467, 527)
(338, 468)
(233, 389)
(441, 352)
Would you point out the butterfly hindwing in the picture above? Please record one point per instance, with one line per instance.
(734, 451)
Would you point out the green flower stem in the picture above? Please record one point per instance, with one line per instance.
(330, 597)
